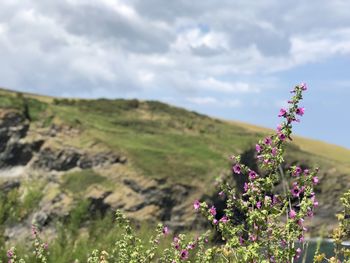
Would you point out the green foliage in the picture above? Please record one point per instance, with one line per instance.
(79, 181)
(31, 199)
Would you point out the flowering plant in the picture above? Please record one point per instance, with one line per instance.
(260, 225)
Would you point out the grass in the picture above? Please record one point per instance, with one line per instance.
(159, 140)
(77, 182)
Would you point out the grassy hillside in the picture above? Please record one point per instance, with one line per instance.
(163, 142)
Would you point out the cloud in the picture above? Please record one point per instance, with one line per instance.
(115, 48)
(211, 101)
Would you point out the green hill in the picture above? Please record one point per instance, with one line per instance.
(141, 155)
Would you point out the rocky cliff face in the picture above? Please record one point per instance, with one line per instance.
(46, 155)
(67, 168)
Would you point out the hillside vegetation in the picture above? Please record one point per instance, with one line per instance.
(137, 156)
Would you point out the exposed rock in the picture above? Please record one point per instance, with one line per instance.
(40, 219)
(14, 150)
(65, 159)
(7, 186)
(96, 195)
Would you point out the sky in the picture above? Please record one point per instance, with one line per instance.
(236, 60)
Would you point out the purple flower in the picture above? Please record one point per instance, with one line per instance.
(196, 205)
(301, 239)
(191, 246)
(245, 187)
(282, 113)
(221, 193)
(282, 136)
(258, 148)
(306, 172)
(253, 237)
(315, 180)
(184, 254)
(300, 222)
(241, 240)
(268, 141)
(212, 210)
(10, 254)
(252, 175)
(300, 111)
(258, 205)
(303, 86)
(224, 219)
(215, 221)
(165, 230)
(310, 213)
(292, 214)
(297, 253)
(236, 168)
(295, 191)
(274, 151)
(279, 127)
(297, 171)
(314, 201)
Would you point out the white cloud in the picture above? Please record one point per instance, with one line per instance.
(120, 47)
(226, 87)
(214, 102)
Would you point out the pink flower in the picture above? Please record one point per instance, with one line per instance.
(297, 253)
(292, 214)
(245, 187)
(300, 111)
(279, 127)
(300, 222)
(184, 254)
(258, 205)
(310, 213)
(314, 201)
(315, 180)
(253, 237)
(215, 221)
(224, 219)
(303, 86)
(196, 205)
(282, 136)
(221, 193)
(252, 175)
(191, 246)
(268, 141)
(258, 148)
(282, 113)
(236, 168)
(297, 171)
(165, 230)
(10, 254)
(212, 210)
(295, 191)
(274, 151)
